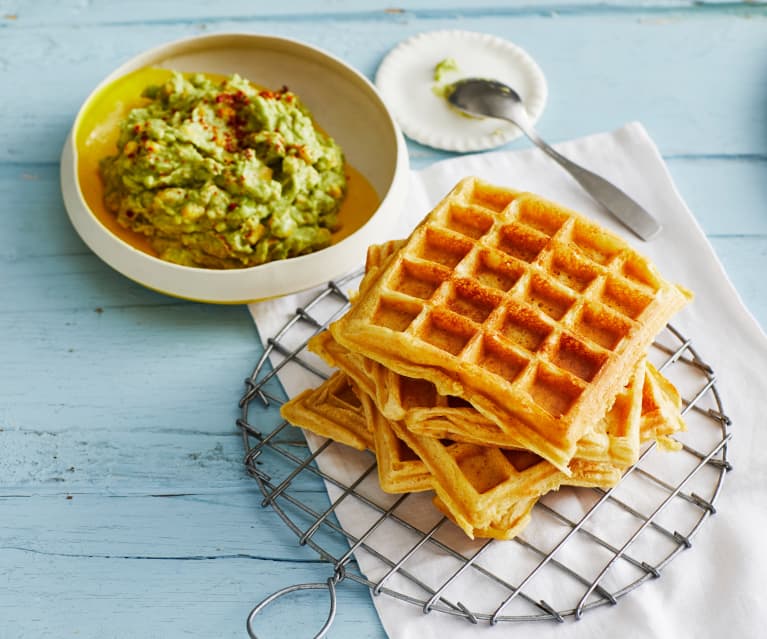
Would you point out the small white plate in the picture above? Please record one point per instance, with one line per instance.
(344, 103)
(405, 79)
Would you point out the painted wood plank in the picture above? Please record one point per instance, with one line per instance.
(648, 75)
(162, 459)
(192, 356)
(100, 458)
(745, 258)
(32, 201)
(46, 595)
(211, 525)
(21, 14)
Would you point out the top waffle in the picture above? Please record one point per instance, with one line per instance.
(530, 312)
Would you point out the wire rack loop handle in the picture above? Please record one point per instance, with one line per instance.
(330, 584)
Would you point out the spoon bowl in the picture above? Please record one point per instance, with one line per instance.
(480, 97)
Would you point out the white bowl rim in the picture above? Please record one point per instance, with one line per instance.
(154, 272)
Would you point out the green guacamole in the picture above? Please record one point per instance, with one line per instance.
(224, 175)
(442, 70)
(445, 67)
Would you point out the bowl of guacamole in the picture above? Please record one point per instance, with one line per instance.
(233, 167)
(224, 174)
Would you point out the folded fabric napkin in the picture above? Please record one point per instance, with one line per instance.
(715, 587)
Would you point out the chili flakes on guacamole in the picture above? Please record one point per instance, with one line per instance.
(224, 175)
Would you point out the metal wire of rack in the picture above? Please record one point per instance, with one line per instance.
(601, 544)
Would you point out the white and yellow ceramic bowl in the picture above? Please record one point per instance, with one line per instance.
(342, 101)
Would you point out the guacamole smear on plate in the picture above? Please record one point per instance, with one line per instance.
(224, 174)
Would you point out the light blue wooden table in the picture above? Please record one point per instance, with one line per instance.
(125, 510)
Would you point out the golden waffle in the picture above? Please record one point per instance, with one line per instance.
(332, 410)
(505, 506)
(401, 470)
(613, 439)
(479, 485)
(530, 312)
(427, 413)
(336, 409)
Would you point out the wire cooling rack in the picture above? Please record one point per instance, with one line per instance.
(584, 548)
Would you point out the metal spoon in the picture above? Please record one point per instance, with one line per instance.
(476, 96)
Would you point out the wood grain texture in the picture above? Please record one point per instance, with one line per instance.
(125, 510)
(145, 11)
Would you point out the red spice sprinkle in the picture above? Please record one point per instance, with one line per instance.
(231, 206)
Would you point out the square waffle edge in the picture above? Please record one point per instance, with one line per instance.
(331, 410)
(336, 410)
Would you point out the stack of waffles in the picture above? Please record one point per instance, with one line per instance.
(495, 355)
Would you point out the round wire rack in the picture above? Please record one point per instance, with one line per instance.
(584, 548)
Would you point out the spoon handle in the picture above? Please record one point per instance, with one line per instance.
(620, 205)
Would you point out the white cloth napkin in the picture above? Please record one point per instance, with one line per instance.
(713, 589)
